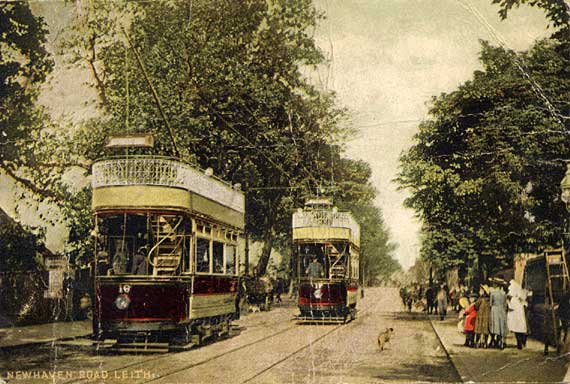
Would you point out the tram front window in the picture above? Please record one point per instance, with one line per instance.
(323, 260)
(125, 241)
(312, 261)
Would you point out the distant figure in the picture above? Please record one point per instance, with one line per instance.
(498, 320)
(442, 302)
(279, 288)
(430, 299)
(315, 269)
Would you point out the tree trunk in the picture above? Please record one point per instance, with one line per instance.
(261, 267)
(266, 251)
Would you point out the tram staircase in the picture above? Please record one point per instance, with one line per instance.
(337, 269)
(167, 251)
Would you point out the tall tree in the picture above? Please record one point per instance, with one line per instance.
(231, 94)
(24, 65)
(485, 170)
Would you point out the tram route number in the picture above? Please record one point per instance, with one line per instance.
(124, 288)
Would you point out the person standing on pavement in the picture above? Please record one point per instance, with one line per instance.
(470, 319)
(442, 302)
(498, 320)
(430, 299)
(516, 317)
(483, 315)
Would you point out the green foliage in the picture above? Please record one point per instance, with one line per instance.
(229, 83)
(228, 77)
(377, 262)
(18, 245)
(557, 12)
(486, 167)
(24, 65)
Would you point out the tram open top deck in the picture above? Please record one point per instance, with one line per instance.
(162, 183)
(319, 220)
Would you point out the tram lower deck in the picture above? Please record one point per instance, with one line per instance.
(327, 300)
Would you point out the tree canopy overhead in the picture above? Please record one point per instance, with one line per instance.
(218, 84)
(486, 167)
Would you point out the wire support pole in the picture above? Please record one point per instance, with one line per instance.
(154, 93)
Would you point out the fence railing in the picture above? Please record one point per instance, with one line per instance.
(325, 218)
(164, 172)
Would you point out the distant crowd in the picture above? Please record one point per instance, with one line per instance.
(487, 313)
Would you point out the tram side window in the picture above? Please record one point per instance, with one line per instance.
(231, 259)
(202, 255)
(218, 256)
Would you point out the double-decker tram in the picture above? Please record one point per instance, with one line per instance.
(326, 249)
(167, 262)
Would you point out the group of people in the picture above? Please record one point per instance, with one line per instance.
(431, 299)
(488, 316)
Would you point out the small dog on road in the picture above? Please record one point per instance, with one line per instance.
(254, 308)
(384, 337)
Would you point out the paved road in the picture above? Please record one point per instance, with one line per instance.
(265, 347)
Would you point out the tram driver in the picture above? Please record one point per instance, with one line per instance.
(315, 269)
(140, 265)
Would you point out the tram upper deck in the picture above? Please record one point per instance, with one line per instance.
(162, 183)
(320, 221)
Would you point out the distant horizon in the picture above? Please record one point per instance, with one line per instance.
(389, 58)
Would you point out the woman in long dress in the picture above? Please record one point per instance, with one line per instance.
(498, 321)
(516, 318)
(483, 308)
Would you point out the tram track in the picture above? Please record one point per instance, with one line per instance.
(190, 366)
(167, 356)
(270, 366)
(301, 349)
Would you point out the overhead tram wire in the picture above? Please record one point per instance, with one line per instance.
(307, 172)
(154, 93)
(517, 61)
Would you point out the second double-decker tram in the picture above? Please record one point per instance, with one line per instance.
(167, 260)
(326, 250)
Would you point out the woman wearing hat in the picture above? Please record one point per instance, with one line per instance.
(483, 314)
(516, 318)
(498, 320)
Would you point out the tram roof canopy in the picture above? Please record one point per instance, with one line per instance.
(164, 183)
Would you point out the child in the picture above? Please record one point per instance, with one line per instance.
(469, 328)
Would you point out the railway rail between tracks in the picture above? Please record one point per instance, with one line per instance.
(169, 355)
(268, 367)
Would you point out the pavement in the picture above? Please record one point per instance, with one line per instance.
(472, 365)
(43, 333)
(492, 365)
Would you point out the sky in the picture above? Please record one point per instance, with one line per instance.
(387, 58)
